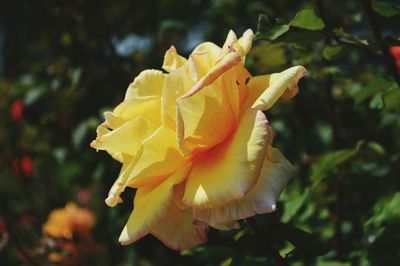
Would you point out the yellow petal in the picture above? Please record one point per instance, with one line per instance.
(242, 46)
(147, 85)
(172, 60)
(178, 231)
(231, 39)
(158, 157)
(176, 84)
(262, 198)
(101, 131)
(126, 138)
(246, 41)
(118, 187)
(205, 56)
(230, 170)
(278, 84)
(112, 121)
(204, 113)
(146, 108)
(151, 204)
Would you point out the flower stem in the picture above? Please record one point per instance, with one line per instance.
(272, 252)
(376, 29)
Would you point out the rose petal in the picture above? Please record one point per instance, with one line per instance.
(230, 170)
(126, 138)
(262, 198)
(157, 158)
(172, 60)
(275, 86)
(151, 204)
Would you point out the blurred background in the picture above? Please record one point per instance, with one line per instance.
(63, 63)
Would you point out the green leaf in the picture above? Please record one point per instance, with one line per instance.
(330, 52)
(331, 161)
(307, 19)
(264, 23)
(33, 95)
(377, 102)
(379, 84)
(385, 9)
(332, 263)
(272, 33)
(293, 206)
(307, 245)
(268, 29)
(340, 33)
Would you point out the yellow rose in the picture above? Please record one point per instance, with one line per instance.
(195, 143)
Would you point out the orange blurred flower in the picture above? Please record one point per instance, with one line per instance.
(66, 222)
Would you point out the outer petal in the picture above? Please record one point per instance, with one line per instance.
(176, 84)
(126, 138)
(150, 205)
(205, 56)
(118, 187)
(242, 46)
(275, 173)
(178, 231)
(246, 41)
(230, 170)
(275, 86)
(147, 108)
(148, 84)
(172, 60)
(157, 158)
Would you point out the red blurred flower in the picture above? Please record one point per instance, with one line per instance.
(84, 196)
(3, 226)
(17, 109)
(26, 165)
(3, 234)
(395, 51)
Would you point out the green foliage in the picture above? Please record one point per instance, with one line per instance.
(307, 19)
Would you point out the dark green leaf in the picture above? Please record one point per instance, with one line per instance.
(385, 9)
(272, 33)
(330, 52)
(307, 19)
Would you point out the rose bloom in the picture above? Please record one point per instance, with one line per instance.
(66, 222)
(196, 145)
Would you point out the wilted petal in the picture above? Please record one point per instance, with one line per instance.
(262, 198)
(228, 171)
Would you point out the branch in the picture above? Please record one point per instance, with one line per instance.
(376, 29)
(263, 238)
